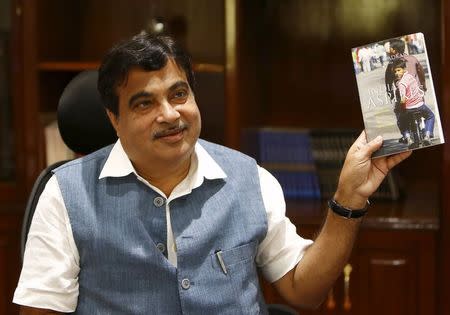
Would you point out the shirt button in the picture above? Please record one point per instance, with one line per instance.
(158, 201)
(185, 284)
(161, 247)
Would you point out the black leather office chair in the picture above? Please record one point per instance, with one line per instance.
(84, 127)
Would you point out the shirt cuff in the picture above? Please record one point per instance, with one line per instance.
(285, 260)
(37, 298)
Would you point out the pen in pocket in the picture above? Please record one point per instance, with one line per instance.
(220, 259)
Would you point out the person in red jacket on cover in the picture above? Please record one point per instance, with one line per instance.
(414, 68)
(411, 99)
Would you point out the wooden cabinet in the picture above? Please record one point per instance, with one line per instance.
(394, 273)
(51, 42)
(11, 106)
(392, 269)
(260, 63)
(62, 38)
(296, 71)
(9, 255)
(6, 127)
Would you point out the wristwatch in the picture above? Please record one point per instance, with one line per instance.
(345, 212)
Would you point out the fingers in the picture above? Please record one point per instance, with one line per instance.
(367, 148)
(397, 158)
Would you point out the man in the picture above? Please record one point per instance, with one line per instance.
(165, 223)
(413, 66)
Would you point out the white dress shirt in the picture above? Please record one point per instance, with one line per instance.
(49, 277)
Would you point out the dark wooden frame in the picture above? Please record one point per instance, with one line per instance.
(444, 232)
(12, 190)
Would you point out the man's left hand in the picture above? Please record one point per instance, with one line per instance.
(361, 175)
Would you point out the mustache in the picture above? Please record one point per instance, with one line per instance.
(171, 130)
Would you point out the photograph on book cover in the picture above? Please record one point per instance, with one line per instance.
(397, 95)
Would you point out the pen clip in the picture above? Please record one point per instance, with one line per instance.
(221, 262)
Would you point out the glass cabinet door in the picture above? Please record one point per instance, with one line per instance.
(6, 119)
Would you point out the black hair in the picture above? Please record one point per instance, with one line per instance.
(399, 63)
(398, 45)
(146, 51)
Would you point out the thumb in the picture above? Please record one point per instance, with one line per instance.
(374, 145)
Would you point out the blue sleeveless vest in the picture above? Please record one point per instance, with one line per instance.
(119, 226)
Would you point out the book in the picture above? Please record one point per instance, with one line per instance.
(287, 155)
(397, 94)
(329, 149)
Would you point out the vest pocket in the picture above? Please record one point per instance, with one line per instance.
(241, 274)
(237, 255)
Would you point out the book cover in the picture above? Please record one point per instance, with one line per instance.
(397, 95)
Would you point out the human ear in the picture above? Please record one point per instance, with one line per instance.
(114, 119)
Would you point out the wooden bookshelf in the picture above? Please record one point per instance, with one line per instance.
(208, 67)
(77, 66)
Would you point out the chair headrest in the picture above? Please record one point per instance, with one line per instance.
(82, 119)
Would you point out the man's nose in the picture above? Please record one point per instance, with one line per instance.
(168, 113)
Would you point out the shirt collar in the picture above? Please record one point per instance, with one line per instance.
(117, 164)
(202, 165)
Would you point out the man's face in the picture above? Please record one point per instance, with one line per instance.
(159, 121)
(398, 72)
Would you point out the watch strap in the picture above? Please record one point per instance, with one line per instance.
(346, 212)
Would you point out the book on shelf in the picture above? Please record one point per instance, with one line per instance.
(307, 162)
(287, 155)
(330, 148)
(397, 95)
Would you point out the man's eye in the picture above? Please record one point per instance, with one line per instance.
(142, 105)
(180, 94)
